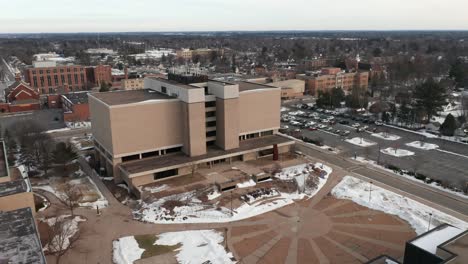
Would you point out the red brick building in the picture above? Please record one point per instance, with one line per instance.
(98, 74)
(75, 106)
(65, 79)
(48, 80)
(20, 97)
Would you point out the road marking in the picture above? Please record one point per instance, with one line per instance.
(453, 153)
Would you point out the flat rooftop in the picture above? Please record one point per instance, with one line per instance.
(155, 163)
(3, 160)
(19, 240)
(14, 187)
(248, 86)
(77, 98)
(129, 97)
(186, 86)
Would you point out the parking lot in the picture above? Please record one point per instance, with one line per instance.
(447, 163)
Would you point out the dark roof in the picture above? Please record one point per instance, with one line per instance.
(128, 97)
(77, 98)
(14, 85)
(19, 240)
(248, 86)
(155, 163)
(14, 187)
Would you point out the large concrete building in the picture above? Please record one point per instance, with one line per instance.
(143, 136)
(329, 78)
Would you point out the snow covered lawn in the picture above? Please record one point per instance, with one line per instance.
(362, 142)
(91, 196)
(197, 246)
(64, 228)
(126, 250)
(415, 213)
(187, 208)
(386, 136)
(397, 152)
(249, 183)
(422, 145)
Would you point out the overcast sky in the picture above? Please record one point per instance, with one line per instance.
(18, 16)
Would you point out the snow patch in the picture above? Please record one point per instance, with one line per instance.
(397, 152)
(362, 142)
(415, 213)
(126, 250)
(386, 136)
(422, 145)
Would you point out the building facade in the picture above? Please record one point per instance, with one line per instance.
(133, 84)
(143, 136)
(75, 107)
(329, 78)
(49, 80)
(20, 97)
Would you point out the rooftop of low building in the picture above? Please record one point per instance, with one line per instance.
(14, 187)
(19, 239)
(77, 98)
(129, 97)
(249, 86)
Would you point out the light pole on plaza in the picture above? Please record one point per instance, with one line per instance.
(370, 191)
(430, 218)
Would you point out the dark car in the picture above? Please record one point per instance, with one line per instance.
(344, 122)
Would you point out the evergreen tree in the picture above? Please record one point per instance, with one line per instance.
(430, 97)
(104, 87)
(449, 126)
(403, 113)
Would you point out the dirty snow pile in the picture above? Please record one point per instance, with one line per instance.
(362, 142)
(422, 145)
(386, 136)
(69, 227)
(249, 183)
(198, 246)
(397, 152)
(156, 189)
(126, 250)
(189, 209)
(415, 213)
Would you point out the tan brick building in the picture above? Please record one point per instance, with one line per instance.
(329, 78)
(133, 84)
(143, 136)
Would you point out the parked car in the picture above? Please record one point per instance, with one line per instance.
(356, 125)
(378, 123)
(295, 123)
(344, 122)
(331, 122)
(345, 133)
(359, 129)
(337, 131)
(322, 126)
(313, 128)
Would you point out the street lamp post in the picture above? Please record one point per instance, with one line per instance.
(232, 213)
(370, 191)
(430, 218)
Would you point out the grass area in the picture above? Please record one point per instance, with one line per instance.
(146, 242)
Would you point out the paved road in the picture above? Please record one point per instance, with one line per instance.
(49, 118)
(449, 163)
(425, 192)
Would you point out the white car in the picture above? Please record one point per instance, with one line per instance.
(378, 123)
(322, 126)
(356, 125)
(295, 123)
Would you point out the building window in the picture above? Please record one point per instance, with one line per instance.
(150, 154)
(165, 174)
(131, 157)
(76, 78)
(211, 124)
(63, 78)
(163, 89)
(173, 150)
(56, 79)
(69, 79)
(82, 78)
(210, 114)
(211, 134)
(35, 81)
(210, 104)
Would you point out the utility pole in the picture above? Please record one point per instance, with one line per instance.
(430, 218)
(232, 213)
(370, 191)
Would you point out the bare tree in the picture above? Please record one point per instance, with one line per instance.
(61, 236)
(71, 196)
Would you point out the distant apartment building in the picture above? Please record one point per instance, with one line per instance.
(48, 78)
(133, 84)
(143, 136)
(189, 54)
(315, 64)
(329, 78)
(293, 88)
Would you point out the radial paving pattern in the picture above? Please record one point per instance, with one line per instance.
(332, 231)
